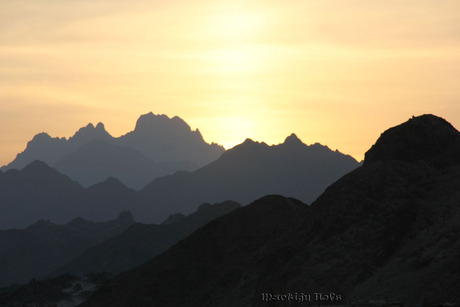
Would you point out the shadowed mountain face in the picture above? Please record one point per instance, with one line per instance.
(387, 229)
(158, 146)
(43, 247)
(111, 247)
(249, 171)
(244, 173)
(40, 192)
(141, 242)
(103, 159)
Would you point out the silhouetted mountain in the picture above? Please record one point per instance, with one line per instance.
(141, 242)
(35, 192)
(423, 138)
(44, 246)
(40, 192)
(389, 229)
(50, 150)
(165, 139)
(95, 161)
(247, 172)
(158, 146)
(244, 173)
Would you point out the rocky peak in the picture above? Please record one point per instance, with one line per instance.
(154, 123)
(292, 139)
(419, 138)
(89, 133)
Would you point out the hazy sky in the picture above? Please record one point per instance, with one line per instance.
(335, 72)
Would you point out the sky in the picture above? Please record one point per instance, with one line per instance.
(334, 72)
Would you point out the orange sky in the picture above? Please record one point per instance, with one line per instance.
(335, 72)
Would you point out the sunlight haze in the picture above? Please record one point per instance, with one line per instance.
(333, 72)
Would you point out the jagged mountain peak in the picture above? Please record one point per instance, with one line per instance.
(38, 167)
(421, 137)
(292, 139)
(89, 133)
(152, 122)
(41, 136)
(100, 126)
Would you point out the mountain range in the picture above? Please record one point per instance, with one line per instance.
(41, 248)
(41, 192)
(244, 173)
(84, 248)
(140, 242)
(158, 145)
(251, 170)
(387, 231)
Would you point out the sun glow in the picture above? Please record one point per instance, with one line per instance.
(234, 69)
(237, 25)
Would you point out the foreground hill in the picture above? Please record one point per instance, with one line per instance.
(387, 229)
(249, 171)
(158, 145)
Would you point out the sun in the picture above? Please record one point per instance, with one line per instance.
(238, 25)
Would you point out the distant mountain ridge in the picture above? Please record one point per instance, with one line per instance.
(41, 192)
(243, 173)
(158, 145)
(251, 170)
(387, 230)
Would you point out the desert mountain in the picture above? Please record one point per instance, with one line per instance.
(244, 173)
(112, 247)
(44, 246)
(389, 229)
(41, 192)
(249, 171)
(141, 242)
(158, 145)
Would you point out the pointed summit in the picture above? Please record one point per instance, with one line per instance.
(293, 140)
(421, 137)
(90, 133)
(100, 126)
(37, 166)
(165, 139)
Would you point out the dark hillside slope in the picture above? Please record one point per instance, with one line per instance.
(43, 247)
(141, 242)
(388, 229)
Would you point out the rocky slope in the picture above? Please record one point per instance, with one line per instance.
(141, 242)
(389, 229)
(44, 246)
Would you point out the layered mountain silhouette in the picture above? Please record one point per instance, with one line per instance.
(44, 246)
(41, 192)
(249, 171)
(85, 248)
(158, 145)
(141, 242)
(244, 173)
(387, 230)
